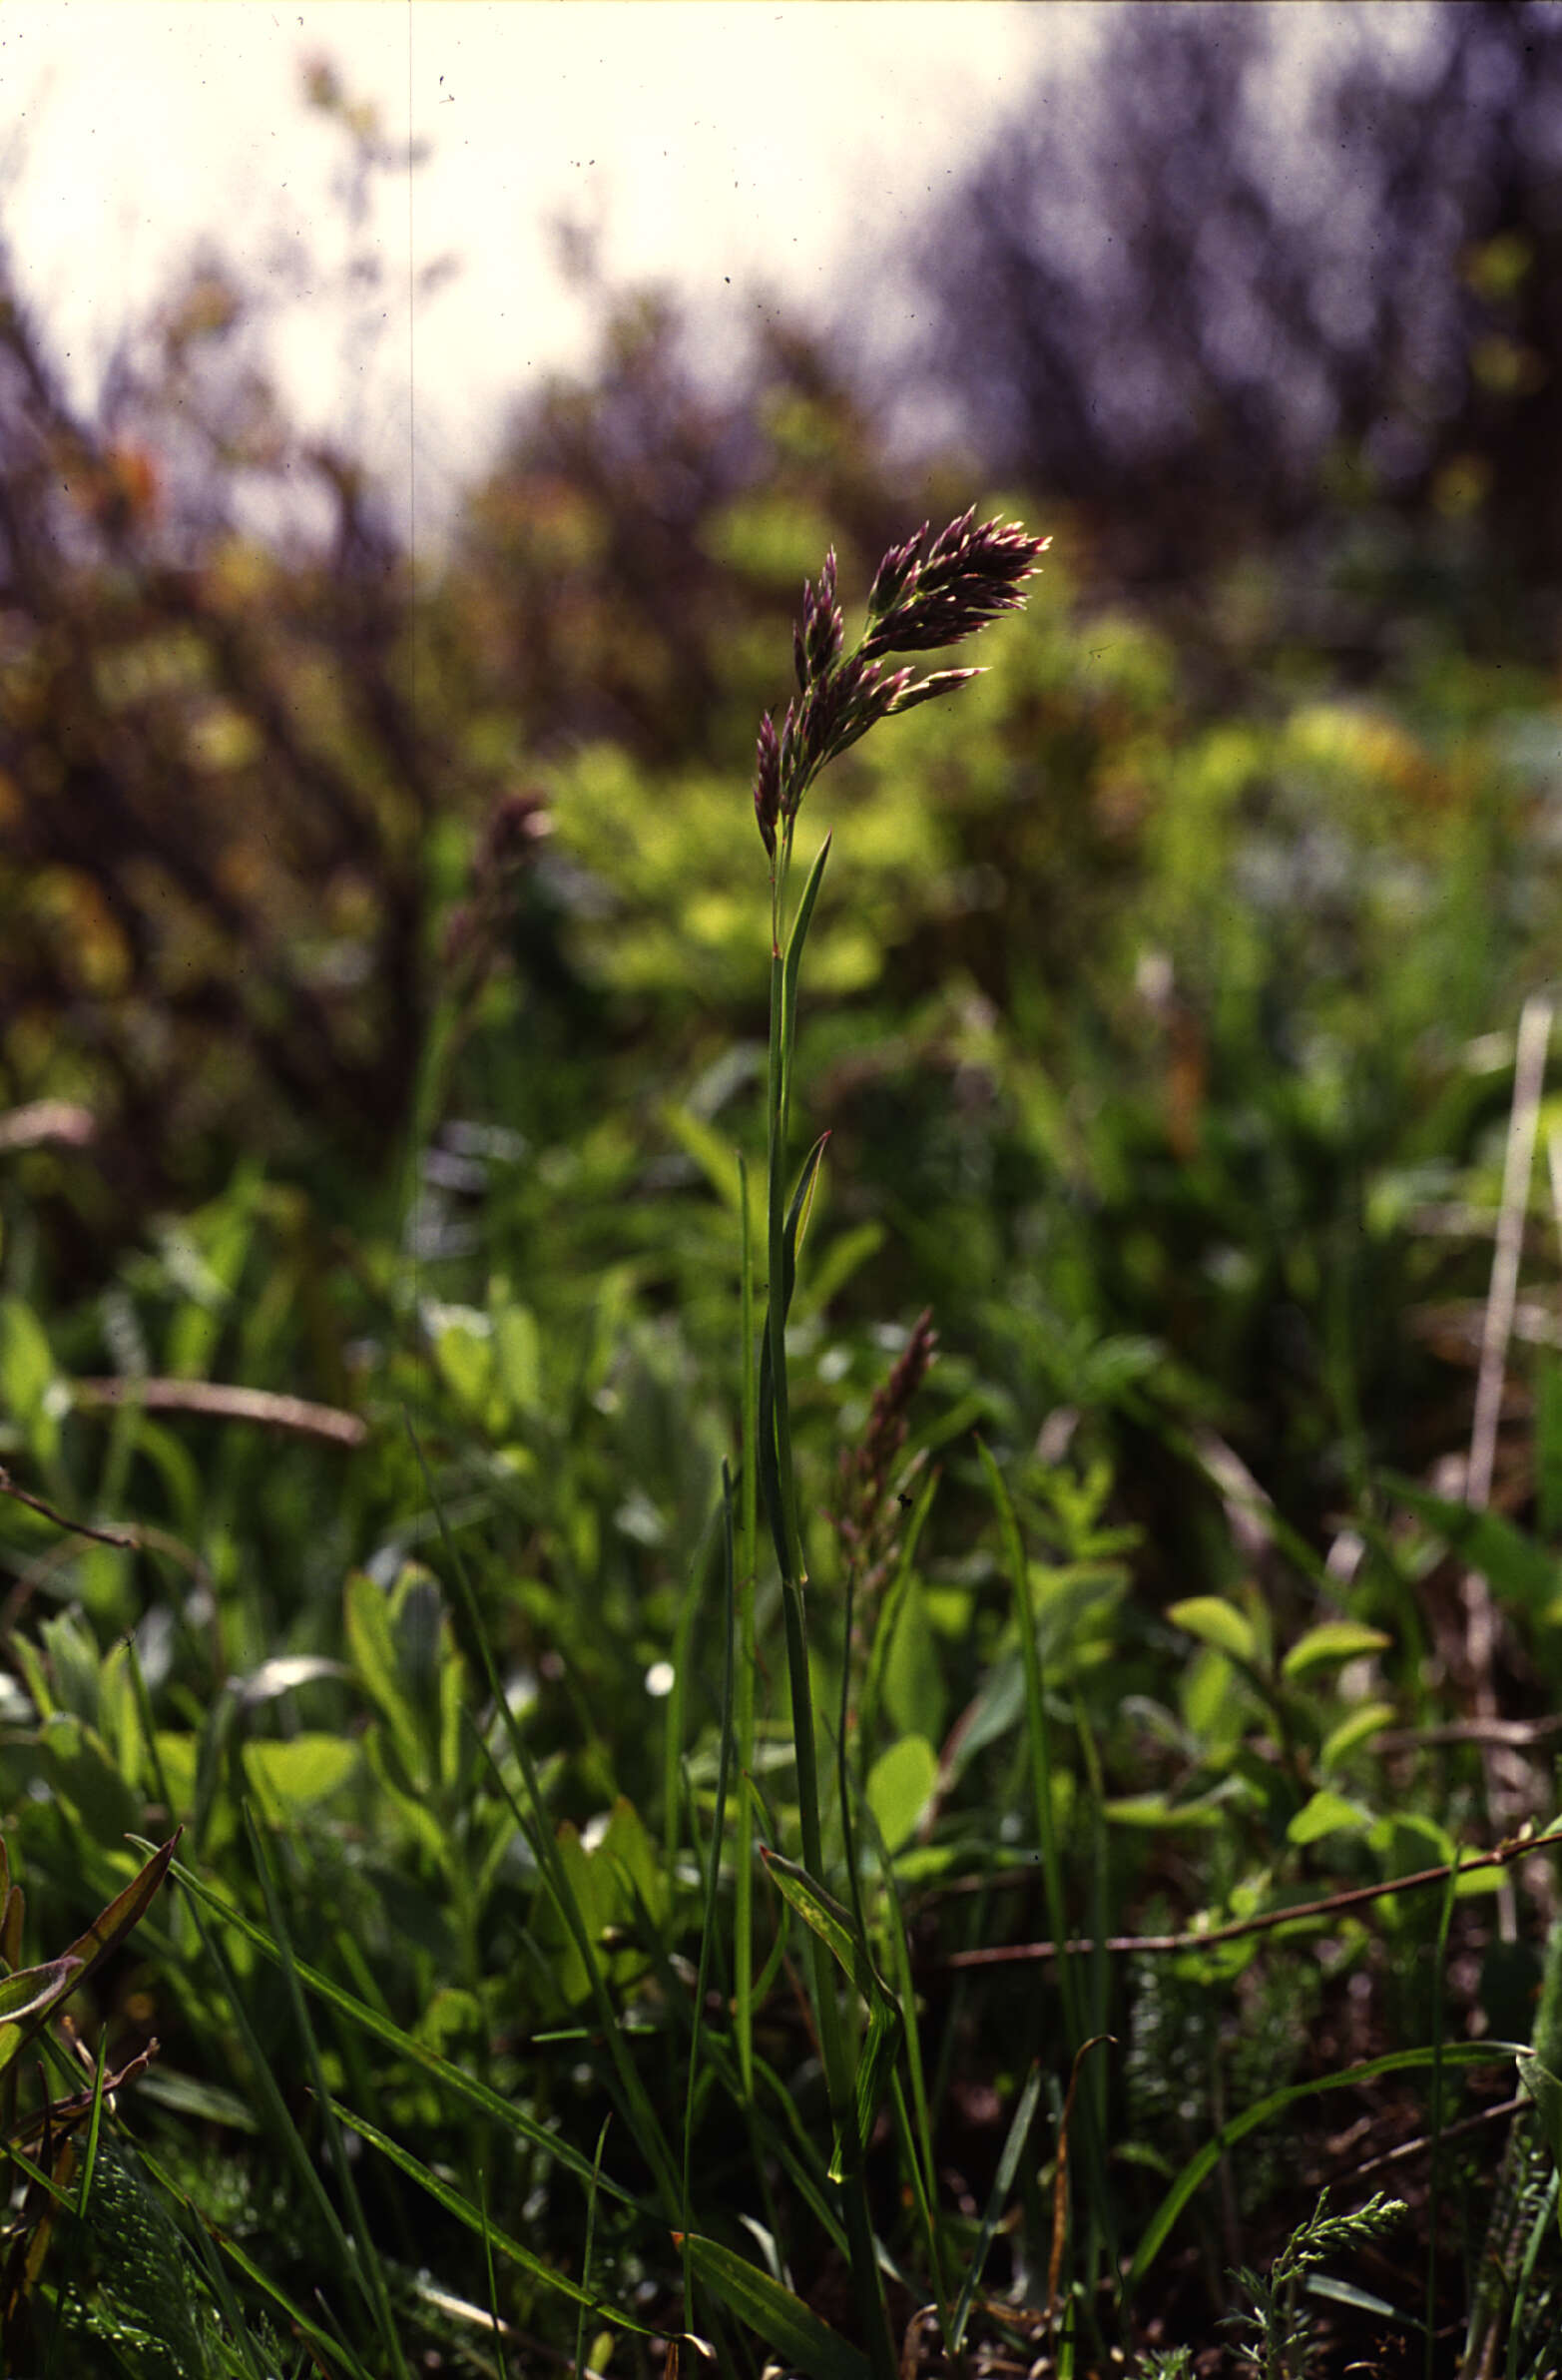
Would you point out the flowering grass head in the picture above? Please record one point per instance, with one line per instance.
(924, 598)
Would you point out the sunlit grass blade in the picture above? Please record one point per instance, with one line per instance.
(482, 2226)
(792, 962)
(839, 1931)
(774, 1455)
(634, 2101)
(1539, 2236)
(227, 2304)
(917, 2145)
(28, 1998)
(786, 2325)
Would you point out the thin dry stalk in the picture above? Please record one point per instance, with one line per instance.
(1529, 1067)
(214, 1399)
(1195, 1938)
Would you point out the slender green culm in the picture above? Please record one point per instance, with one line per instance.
(923, 597)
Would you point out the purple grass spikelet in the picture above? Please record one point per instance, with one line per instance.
(922, 598)
(768, 782)
(927, 690)
(897, 575)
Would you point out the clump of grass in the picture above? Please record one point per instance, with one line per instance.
(923, 597)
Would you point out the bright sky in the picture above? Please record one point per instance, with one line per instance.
(722, 144)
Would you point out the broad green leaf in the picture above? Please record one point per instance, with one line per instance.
(381, 1654)
(1365, 1721)
(298, 1771)
(1159, 1812)
(86, 1779)
(517, 1345)
(1334, 1641)
(627, 1853)
(1218, 1623)
(26, 1377)
(785, 2326)
(898, 1786)
(463, 1354)
(1327, 1813)
(715, 1158)
(913, 1679)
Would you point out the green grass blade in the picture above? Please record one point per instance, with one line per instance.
(747, 1653)
(792, 962)
(842, 1935)
(677, 1700)
(998, 2196)
(718, 1825)
(585, 2254)
(920, 2160)
(889, 1612)
(1539, 2232)
(363, 2260)
(786, 2326)
(1040, 1734)
(644, 2122)
(473, 2219)
(263, 2083)
(227, 2304)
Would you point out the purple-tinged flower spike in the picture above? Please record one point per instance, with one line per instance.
(971, 576)
(927, 690)
(768, 782)
(823, 629)
(922, 597)
(897, 575)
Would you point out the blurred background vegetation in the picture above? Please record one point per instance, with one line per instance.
(1162, 960)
